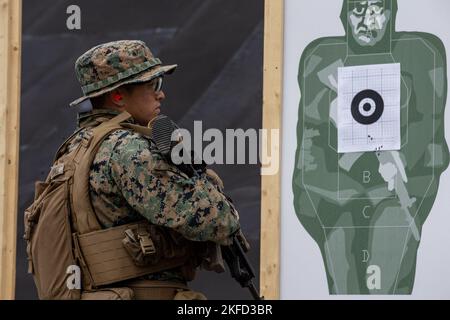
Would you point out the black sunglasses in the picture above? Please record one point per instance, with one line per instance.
(157, 84)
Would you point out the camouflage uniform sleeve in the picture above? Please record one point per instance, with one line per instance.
(195, 207)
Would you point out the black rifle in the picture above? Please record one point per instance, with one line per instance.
(240, 268)
(234, 255)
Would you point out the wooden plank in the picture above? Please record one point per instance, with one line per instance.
(270, 184)
(10, 44)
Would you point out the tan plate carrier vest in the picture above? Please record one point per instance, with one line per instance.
(63, 233)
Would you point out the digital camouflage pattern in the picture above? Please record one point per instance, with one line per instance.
(130, 180)
(366, 210)
(110, 65)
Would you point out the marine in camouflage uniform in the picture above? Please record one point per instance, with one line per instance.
(129, 178)
(366, 210)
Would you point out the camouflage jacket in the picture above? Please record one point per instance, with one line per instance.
(130, 179)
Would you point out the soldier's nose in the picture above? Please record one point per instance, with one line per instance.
(161, 95)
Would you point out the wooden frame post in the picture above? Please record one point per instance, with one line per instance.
(271, 184)
(10, 44)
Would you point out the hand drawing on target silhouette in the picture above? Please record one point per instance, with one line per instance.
(370, 147)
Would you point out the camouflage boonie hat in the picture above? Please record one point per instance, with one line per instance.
(111, 65)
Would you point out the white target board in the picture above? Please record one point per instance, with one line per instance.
(369, 108)
(339, 67)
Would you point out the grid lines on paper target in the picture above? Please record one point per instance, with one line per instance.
(369, 108)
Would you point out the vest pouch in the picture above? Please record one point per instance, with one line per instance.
(109, 261)
(148, 244)
(49, 242)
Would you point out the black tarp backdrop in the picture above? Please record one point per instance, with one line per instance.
(218, 46)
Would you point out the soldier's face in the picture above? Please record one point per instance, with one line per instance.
(368, 20)
(143, 102)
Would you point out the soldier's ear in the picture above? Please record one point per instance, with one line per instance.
(116, 97)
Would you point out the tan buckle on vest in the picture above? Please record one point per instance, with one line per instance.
(147, 245)
(86, 139)
(56, 171)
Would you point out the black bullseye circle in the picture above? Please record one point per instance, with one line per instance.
(376, 102)
(367, 107)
